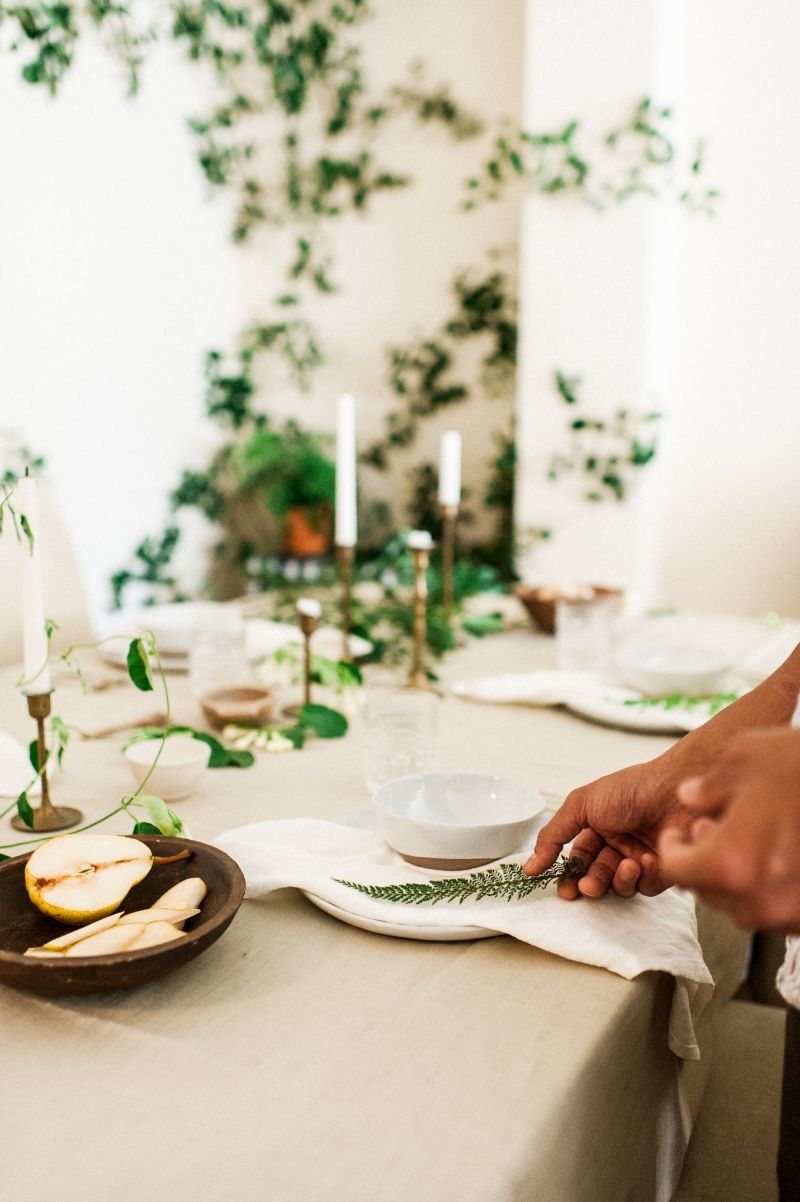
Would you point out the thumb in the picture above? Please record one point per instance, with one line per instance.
(704, 794)
(562, 827)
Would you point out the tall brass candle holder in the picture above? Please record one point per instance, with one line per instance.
(308, 614)
(346, 558)
(46, 817)
(449, 519)
(420, 546)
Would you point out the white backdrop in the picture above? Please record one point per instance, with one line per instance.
(117, 274)
(650, 305)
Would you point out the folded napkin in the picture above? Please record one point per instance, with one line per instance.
(628, 937)
(544, 687)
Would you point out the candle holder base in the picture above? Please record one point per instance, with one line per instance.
(55, 818)
(421, 681)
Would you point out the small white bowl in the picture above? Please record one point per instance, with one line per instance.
(180, 765)
(457, 821)
(664, 669)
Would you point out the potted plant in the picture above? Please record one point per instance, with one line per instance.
(297, 480)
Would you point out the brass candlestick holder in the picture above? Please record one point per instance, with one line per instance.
(417, 678)
(346, 558)
(449, 519)
(46, 817)
(308, 625)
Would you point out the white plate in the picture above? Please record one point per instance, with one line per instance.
(407, 929)
(608, 707)
(263, 638)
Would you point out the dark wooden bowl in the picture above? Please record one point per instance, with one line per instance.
(541, 602)
(23, 926)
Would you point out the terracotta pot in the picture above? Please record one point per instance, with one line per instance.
(305, 535)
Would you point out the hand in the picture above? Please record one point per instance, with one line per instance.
(615, 822)
(742, 851)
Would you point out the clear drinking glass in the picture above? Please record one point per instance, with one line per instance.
(586, 630)
(218, 657)
(399, 732)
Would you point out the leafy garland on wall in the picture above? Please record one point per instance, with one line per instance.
(292, 133)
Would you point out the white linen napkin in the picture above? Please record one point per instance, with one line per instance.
(547, 686)
(628, 937)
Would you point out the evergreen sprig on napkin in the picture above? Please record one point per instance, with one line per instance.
(508, 882)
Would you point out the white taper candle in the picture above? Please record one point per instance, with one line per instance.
(36, 648)
(450, 469)
(346, 520)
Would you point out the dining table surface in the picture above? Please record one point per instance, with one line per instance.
(300, 1059)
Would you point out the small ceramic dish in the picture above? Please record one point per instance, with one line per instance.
(181, 763)
(458, 821)
(249, 705)
(23, 926)
(666, 669)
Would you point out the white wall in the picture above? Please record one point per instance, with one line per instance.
(116, 273)
(651, 305)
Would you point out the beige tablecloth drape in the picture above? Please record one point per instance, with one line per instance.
(301, 1059)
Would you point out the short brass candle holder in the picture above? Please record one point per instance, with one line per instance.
(418, 678)
(449, 519)
(346, 558)
(307, 626)
(46, 817)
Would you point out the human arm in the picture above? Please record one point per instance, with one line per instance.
(616, 821)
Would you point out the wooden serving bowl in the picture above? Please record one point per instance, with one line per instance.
(246, 705)
(23, 926)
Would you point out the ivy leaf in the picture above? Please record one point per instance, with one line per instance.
(139, 666)
(24, 810)
(2, 857)
(483, 624)
(296, 734)
(162, 818)
(61, 732)
(26, 530)
(33, 756)
(324, 721)
(145, 828)
(222, 756)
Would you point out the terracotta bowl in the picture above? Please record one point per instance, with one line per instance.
(23, 926)
(540, 601)
(249, 705)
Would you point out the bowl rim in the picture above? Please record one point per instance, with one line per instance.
(201, 749)
(225, 914)
(537, 797)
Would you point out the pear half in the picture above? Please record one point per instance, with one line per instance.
(77, 878)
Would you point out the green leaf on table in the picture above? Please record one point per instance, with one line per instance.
(33, 756)
(139, 666)
(480, 625)
(145, 828)
(2, 857)
(26, 530)
(324, 721)
(221, 756)
(335, 674)
(238, 759)
(24, 810)
(162, 818)
(296, 735)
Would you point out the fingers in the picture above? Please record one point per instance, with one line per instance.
(691, 864)
(704, 795)
(597, 880)
(565, 824)
(652, 881)
(626, 878)
(586, 847)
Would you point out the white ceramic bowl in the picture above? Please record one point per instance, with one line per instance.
(182, 762)
(664, 669)
(456, 821)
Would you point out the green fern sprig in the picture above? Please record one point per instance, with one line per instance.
(508, 882)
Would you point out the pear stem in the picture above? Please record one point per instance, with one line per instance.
(182, 855)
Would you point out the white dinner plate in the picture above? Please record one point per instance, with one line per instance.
(403, 928)
(608, 707)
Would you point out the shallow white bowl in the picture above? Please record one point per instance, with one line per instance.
(664, 669)
(182, 762)
(456, 821)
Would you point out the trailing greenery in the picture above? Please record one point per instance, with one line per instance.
(605, 452)
(640, 159)
(712, 702)
(508, 882)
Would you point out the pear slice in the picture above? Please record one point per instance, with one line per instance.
(185, 895)
(43, 953)
(78, 878)
(64, 941)
(104, 943)
(175, 918)
(154, 933)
